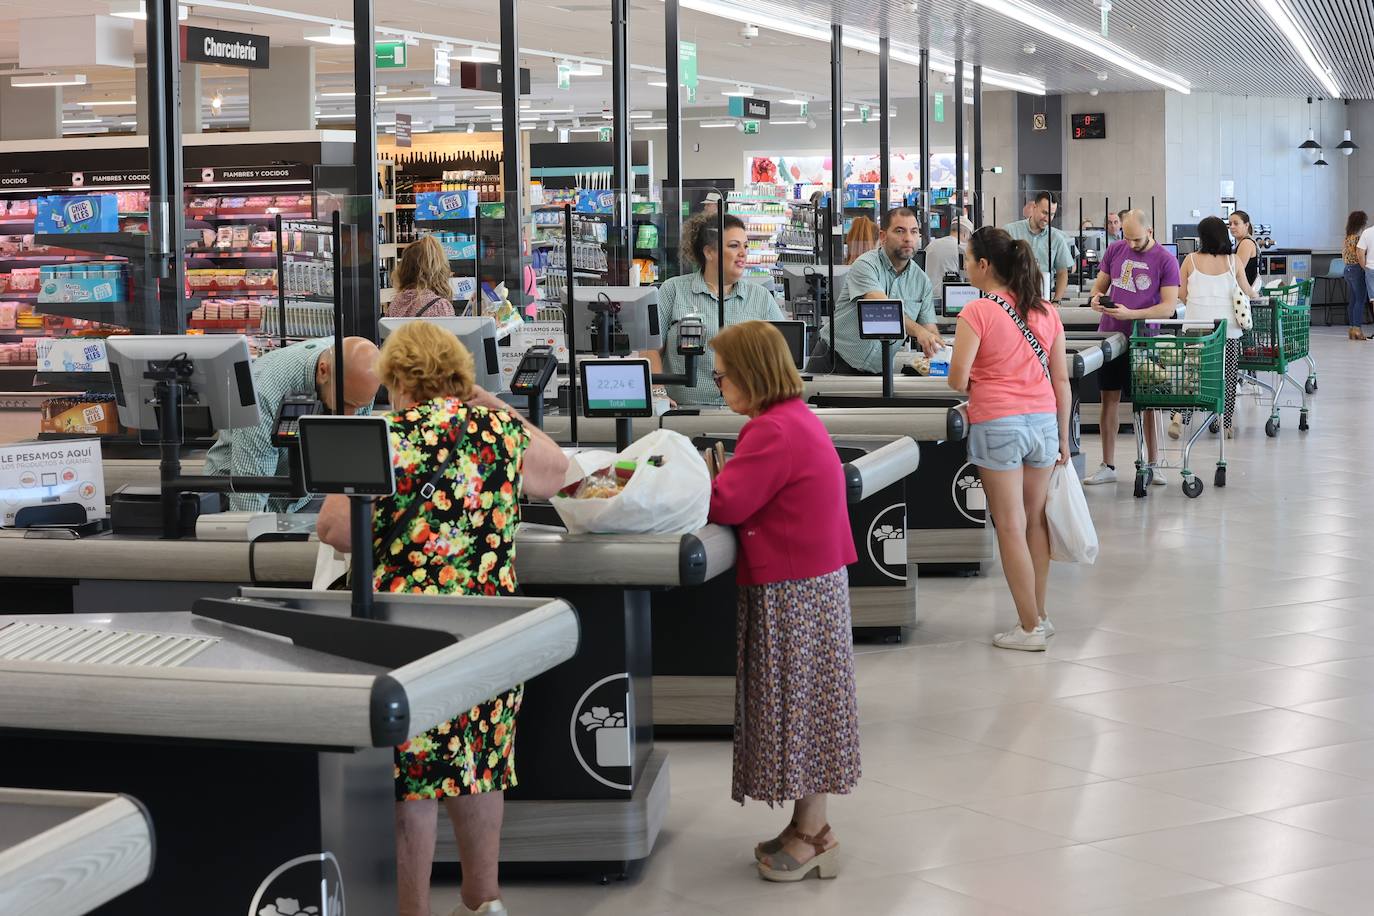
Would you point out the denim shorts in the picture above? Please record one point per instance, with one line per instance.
(1007, 443)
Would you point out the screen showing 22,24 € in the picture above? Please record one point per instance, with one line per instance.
(611, 387)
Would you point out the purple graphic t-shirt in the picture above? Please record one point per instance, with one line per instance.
(1137, 277)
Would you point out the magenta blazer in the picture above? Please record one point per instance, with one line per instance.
(784, 491)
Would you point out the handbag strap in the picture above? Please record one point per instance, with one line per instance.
(433, 300)
(402, 523)
(1026, 332)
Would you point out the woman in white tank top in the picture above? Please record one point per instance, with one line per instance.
(1209, 279)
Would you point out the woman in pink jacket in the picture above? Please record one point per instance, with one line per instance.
(796, 710)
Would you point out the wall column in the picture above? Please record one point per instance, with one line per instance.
(33, 113)
(282, 97)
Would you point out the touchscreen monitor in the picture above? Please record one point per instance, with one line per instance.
(616, 388)
(881, 319)
(794, 332)
(349, 455)
(957, 296)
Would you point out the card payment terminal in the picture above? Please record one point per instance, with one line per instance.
(532, 376)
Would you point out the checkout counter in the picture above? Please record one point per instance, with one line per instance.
(265, 765)
(67, 853)
(694, 642)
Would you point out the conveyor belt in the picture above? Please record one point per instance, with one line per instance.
(248, 686)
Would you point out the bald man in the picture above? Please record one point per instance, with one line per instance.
(305, 369)
(1141, 280)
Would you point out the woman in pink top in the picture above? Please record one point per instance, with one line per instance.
(796, 709)
(422, 287)
(1018, 408)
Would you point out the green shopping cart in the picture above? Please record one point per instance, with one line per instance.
(1279, 336)
(1182, 371)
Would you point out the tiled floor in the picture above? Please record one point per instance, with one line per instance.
(1198, 740)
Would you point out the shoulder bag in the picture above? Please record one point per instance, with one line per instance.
(1026, 332)
(433, 300)
(1240, 305)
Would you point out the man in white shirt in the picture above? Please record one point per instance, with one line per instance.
(946, 255)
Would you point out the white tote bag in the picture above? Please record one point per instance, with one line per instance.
(1073, 537)
(670, 497)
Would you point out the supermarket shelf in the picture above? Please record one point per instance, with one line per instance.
(241, 254)
(121, 244)
(73, 381)
(264, 217)
(233, 294)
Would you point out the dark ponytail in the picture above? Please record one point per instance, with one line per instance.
(1014, 262)
(699, 233)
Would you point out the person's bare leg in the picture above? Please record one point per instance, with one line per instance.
(1107, 425)
(810, 815)
(416, 828)
(1006, 504)
(477, 823)
(1035, 486)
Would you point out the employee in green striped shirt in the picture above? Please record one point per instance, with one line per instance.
(695, 293)
(887, 272)
(305, 368)
(1051, 246)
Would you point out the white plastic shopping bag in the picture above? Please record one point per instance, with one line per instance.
(1073, 537)
(330, 566)
(668, 492)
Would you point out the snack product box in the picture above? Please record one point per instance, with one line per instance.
(90, 415)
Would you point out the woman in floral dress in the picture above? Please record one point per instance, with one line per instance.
(460, 540)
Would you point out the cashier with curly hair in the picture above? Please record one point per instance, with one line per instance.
(481, 456)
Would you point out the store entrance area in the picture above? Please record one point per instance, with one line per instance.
(1199, 737)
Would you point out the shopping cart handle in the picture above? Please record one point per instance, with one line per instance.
(1184, 322)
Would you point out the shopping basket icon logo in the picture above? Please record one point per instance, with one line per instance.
(968, 495)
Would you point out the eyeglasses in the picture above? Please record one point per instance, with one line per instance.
(717, 376)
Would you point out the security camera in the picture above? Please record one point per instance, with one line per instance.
(749, 32)
(1093, 91)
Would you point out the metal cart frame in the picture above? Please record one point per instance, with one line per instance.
(1280, 335)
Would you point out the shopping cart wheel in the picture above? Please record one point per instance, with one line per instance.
(1302, 421)
(1271, 427)
(1215, 425)
(1192, 487)
(1311, 385)
(1219, 480)
(1142, 481)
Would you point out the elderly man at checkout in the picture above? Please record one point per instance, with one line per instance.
(887, 272)
(302, 369)
(1050, 245)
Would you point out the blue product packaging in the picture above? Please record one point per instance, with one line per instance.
(67, 213)
(595, 202)
(437, 205)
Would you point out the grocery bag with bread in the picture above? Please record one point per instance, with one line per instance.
(658, 485)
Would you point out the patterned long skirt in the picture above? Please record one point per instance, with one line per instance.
(796, 707)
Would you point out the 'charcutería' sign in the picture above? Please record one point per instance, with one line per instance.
(232, 49)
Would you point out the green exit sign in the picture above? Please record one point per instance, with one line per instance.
(751, 127)
(391, 55)
(604, 135)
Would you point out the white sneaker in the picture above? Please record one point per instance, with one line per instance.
(490, 908)
(1159, 480)
(1047, 626)
(1017, 638)
(1102, 475)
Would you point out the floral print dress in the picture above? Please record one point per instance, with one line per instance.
(461, 541)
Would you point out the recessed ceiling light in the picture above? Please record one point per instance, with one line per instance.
(739, 91)
(658, 83)
(1301, 42)
(138, 9)
(337, 35)
(66, 121)
(650, 127)
(113, 103)
(717, 123)
(401, 99)
(476, 55)
(51, 79)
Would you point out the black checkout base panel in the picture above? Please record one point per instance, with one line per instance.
(228, 816)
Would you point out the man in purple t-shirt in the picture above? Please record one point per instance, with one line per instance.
(1140, 278)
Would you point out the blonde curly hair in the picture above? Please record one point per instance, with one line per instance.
(425, 361)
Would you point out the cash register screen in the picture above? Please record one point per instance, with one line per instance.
(347, 455)
(957, 296)
(794, 332)
(881, 319)
(616, 388)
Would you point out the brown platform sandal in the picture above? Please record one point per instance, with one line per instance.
(774, 846)
(825, 864)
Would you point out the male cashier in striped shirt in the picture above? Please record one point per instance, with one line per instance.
(305, 368)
